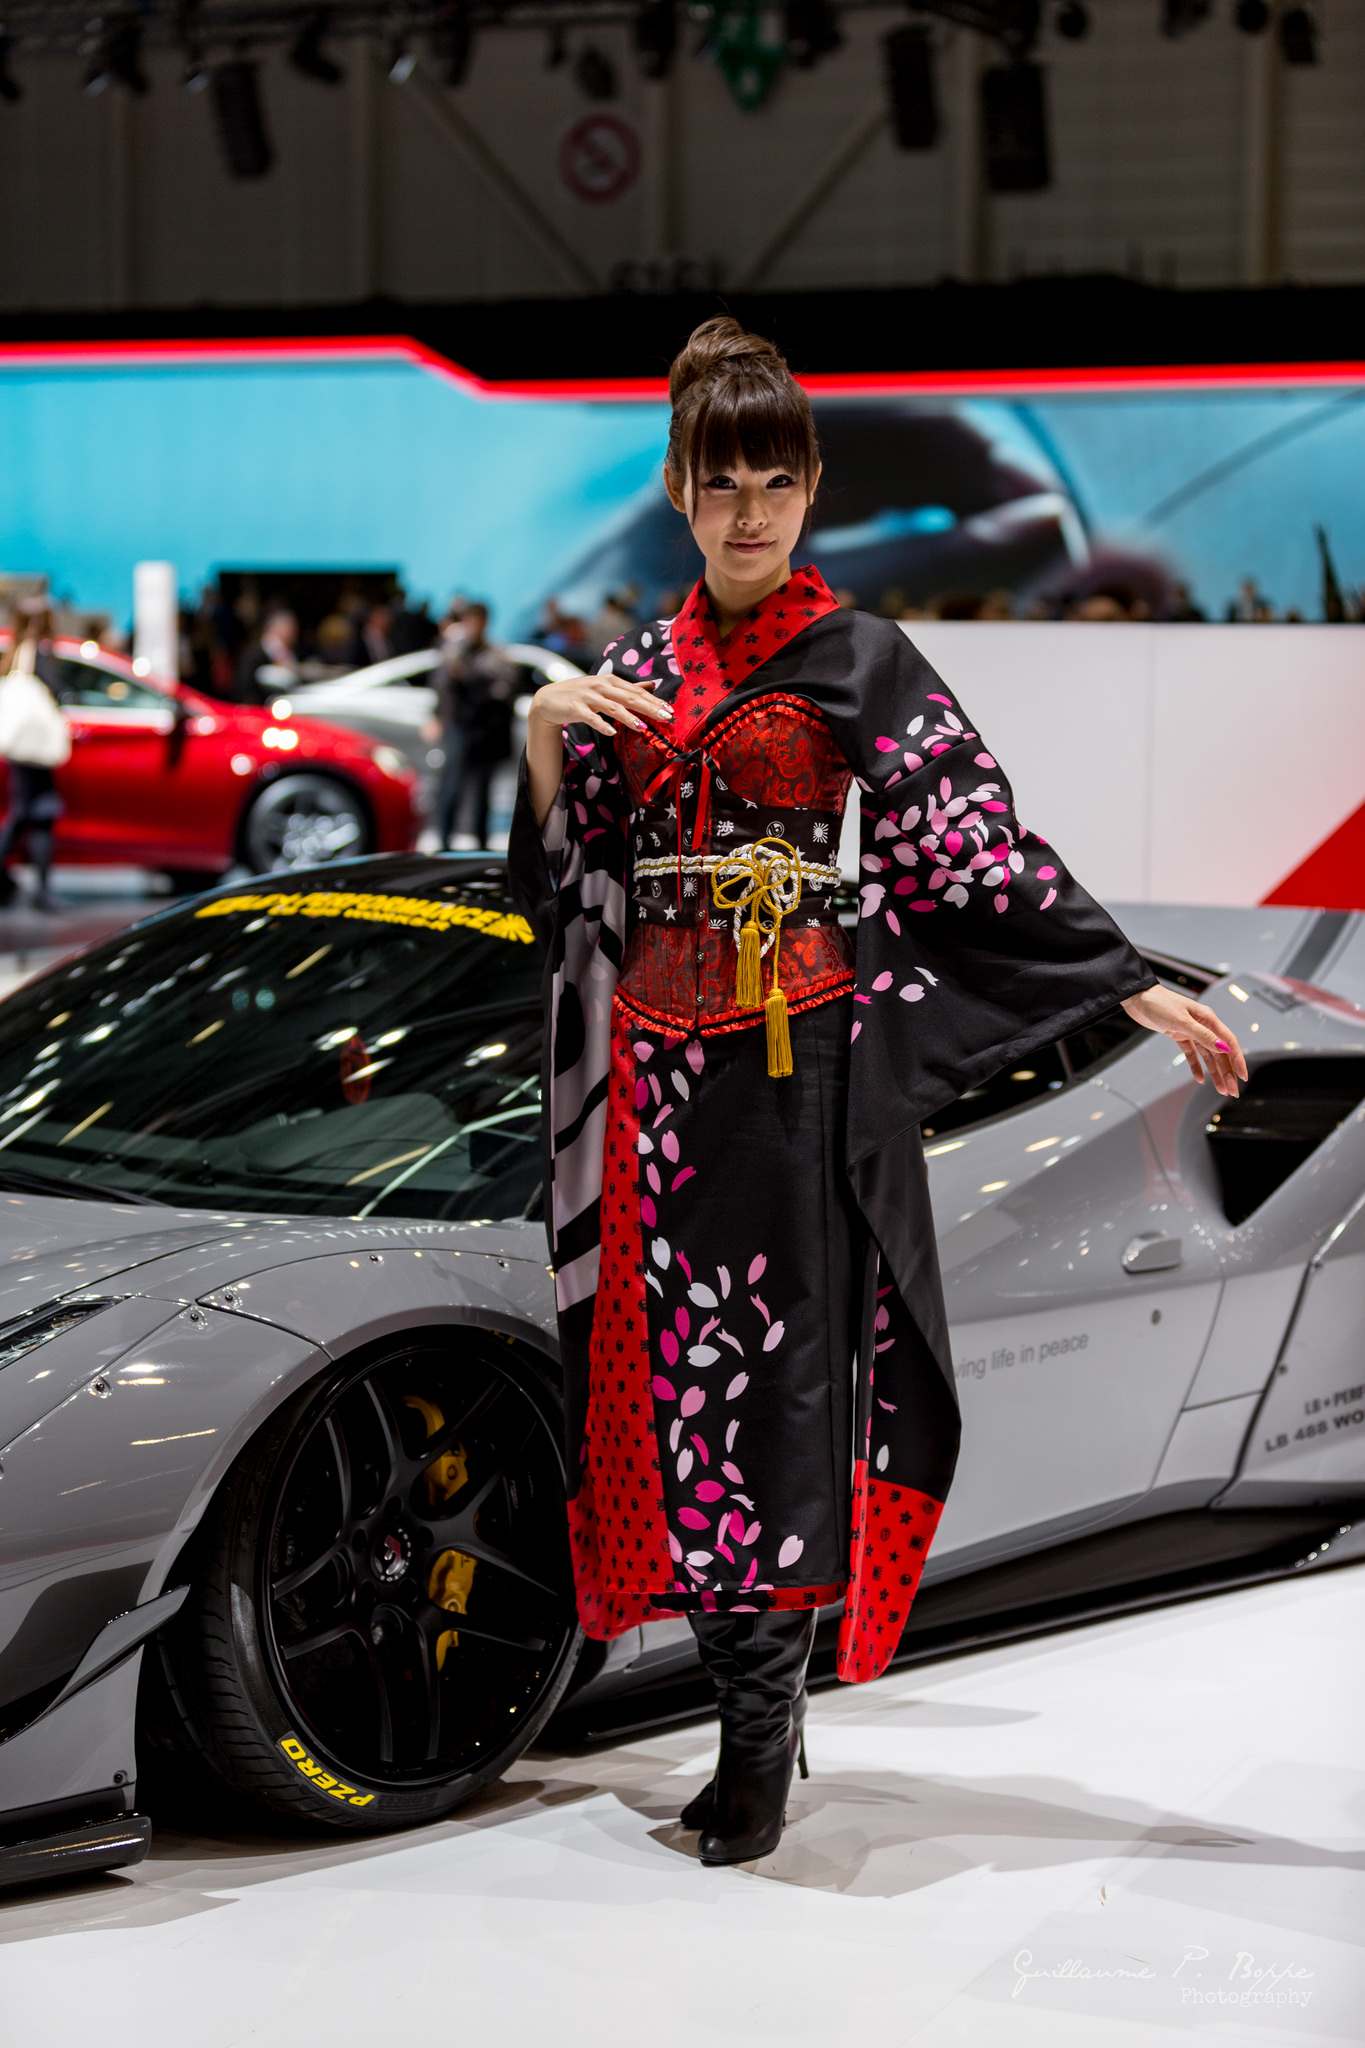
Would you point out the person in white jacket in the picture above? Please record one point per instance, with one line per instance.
(35, 803)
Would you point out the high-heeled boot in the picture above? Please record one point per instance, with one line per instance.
(715, 1630)
(759, 1738)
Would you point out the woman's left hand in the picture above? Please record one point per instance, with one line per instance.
(1203, 1037)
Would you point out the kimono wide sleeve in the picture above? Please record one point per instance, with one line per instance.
(535, 852)
(974, 946)
(568, 878)
(583, 835)
(975, 943)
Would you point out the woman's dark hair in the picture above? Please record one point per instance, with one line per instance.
(734, 400)
(27, 618)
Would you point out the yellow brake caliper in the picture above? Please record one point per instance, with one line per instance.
(452, 1573)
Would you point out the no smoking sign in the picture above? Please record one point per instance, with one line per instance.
(599, 158)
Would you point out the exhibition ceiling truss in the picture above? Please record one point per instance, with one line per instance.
(114, 37)
(429, 45)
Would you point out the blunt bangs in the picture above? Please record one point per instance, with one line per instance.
(753, 422)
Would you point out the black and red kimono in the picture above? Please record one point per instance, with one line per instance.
(760, 1405)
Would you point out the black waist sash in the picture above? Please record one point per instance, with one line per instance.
(661, 897)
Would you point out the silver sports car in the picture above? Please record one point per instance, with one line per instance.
(281, 1508)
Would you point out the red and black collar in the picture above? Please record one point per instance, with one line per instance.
(711, 666)
(708, 662)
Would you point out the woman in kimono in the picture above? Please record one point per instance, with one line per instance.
(760, 1410)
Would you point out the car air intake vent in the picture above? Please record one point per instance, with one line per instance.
(1284, 1112)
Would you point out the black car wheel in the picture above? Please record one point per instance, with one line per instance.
(298, 820)
(384, 1618)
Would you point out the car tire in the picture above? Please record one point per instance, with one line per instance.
(300, 1733)
(298, 820)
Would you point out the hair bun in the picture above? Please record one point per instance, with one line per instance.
(718, 341)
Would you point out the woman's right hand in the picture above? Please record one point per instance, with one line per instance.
(586, 698)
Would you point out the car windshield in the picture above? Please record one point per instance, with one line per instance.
(319, 1048)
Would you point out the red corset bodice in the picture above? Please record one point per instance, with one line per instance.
(761, 768)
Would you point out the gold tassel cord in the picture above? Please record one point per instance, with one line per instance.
(779, 1037)
(749, 978)
(764, 873)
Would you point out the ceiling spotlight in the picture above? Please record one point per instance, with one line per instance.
(812, 31)
(118, 60)
(709, 21)
(656, 37)
(1073, 21)
(1016, 147)
(195, 77)
(1298, 36)
(1252, 16)
(908, 71)
(307, 55)
(402, 61)
(10, 88)
(1178, 17)
(240, 118)
(595, 73)
(452, 38)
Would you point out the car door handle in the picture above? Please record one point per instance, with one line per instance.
(1151, 1251)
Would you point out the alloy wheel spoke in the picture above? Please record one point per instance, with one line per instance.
(443, 1618)
(388, 1431)
(341, 1459)
(486, 1553)
(457, 1532)
(321, 1638)
(477, 1410)
(427, 1638)
(383, 1701)
(294, 1581)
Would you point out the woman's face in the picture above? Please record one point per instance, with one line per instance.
(765, 505)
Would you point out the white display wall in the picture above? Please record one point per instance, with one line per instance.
(1166, 764)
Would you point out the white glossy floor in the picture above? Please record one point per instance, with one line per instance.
(1141, 1831)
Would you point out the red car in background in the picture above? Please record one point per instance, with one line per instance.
(162, 777)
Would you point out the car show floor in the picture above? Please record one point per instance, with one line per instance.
(1143, 1829)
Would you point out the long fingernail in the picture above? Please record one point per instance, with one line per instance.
(1222, 1045)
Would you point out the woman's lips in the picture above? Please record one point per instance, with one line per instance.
(750, 547)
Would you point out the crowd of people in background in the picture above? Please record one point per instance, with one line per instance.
(226, 642)
(248, 647)
(1115, 599)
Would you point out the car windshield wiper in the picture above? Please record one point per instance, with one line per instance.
(21, 1181)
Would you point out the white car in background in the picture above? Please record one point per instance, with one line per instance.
(394, 700)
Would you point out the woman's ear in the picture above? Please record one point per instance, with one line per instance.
(678, 502)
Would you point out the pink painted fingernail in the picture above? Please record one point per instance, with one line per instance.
(1222, 1045)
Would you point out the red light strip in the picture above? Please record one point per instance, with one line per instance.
(1163, 377)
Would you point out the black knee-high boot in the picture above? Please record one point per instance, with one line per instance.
(764, 1658)
(715, 1632)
